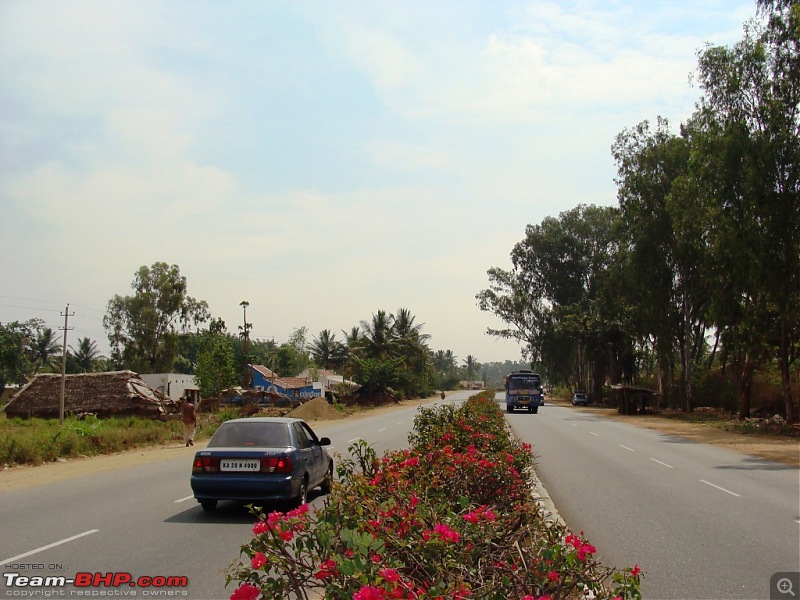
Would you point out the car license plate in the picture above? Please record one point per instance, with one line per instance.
(239, 464)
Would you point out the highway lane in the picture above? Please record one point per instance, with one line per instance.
(143, 520)
(702, 521)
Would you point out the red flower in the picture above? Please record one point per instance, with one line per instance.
(286, 536)
(327, 569)
(260, 527)
(635, 570)
(259, 560)
(246, 592)
(369, 592)
(389, 574)
(553, 576)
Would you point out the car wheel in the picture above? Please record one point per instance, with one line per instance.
(208, 504)
(535, 409)
(510, 409)
(302, 497)
(327, 483)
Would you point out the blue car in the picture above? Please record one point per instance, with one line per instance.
(261, 459)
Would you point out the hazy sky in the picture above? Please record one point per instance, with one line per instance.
(321, 160)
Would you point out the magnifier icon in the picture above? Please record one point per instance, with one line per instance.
(785, 586)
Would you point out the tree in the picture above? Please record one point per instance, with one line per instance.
(45, 350)
(750, 114)
(376, 338)
(667, 221)
(327, 351)
(16, 351)
(215, 369)
(143, 328)
(86, 356)
(471, 366)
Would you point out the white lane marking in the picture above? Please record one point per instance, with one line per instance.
(595, 434)
(661, 463)
(351, 441)
(573, 424)
(184, 499)
(400, 422)
(797, 520)
(626, 448)
(53, 545)
(384, 429)
(720, 488)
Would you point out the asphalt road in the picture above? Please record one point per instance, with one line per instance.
(701, 521)
(144, 521)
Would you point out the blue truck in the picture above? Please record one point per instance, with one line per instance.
(524, 390)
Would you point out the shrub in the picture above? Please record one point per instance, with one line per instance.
(449, 517)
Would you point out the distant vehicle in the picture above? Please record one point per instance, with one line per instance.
(524, 390)
(580, 397)
(262, 459)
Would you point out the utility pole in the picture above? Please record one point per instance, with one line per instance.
(66, 328)
(246, 332)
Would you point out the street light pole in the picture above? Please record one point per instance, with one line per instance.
(246, 331)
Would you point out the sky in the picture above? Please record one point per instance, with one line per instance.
(320, 160)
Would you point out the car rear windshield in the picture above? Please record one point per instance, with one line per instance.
(251, 435)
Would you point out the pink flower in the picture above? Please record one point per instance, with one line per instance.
(286, 536)
(389, 574)
(584, 550)
(369, 592)
(444, 532)
(259, 560)
(327, 569)
(299, 511)
(260, 527)
(246, 592)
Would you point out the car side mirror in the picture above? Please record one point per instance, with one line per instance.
(326, 441)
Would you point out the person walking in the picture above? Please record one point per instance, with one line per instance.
(189, 421)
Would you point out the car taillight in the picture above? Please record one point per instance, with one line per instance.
(205, 464)
(276, 464)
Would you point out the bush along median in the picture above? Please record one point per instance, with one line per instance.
(450, 517)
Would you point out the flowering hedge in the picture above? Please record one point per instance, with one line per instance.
(449, 517)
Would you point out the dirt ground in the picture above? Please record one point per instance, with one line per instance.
(780, 450)
(783, 450)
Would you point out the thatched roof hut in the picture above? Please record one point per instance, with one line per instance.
(116, 393)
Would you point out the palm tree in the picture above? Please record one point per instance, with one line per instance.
(376, 341)
(86, 356)
(470, 367)
(328, 353)
(45, 349)
(444, 361)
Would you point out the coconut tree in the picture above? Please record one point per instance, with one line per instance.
(327, 351)
(86, 356)
(377, 339)
(45, 350)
